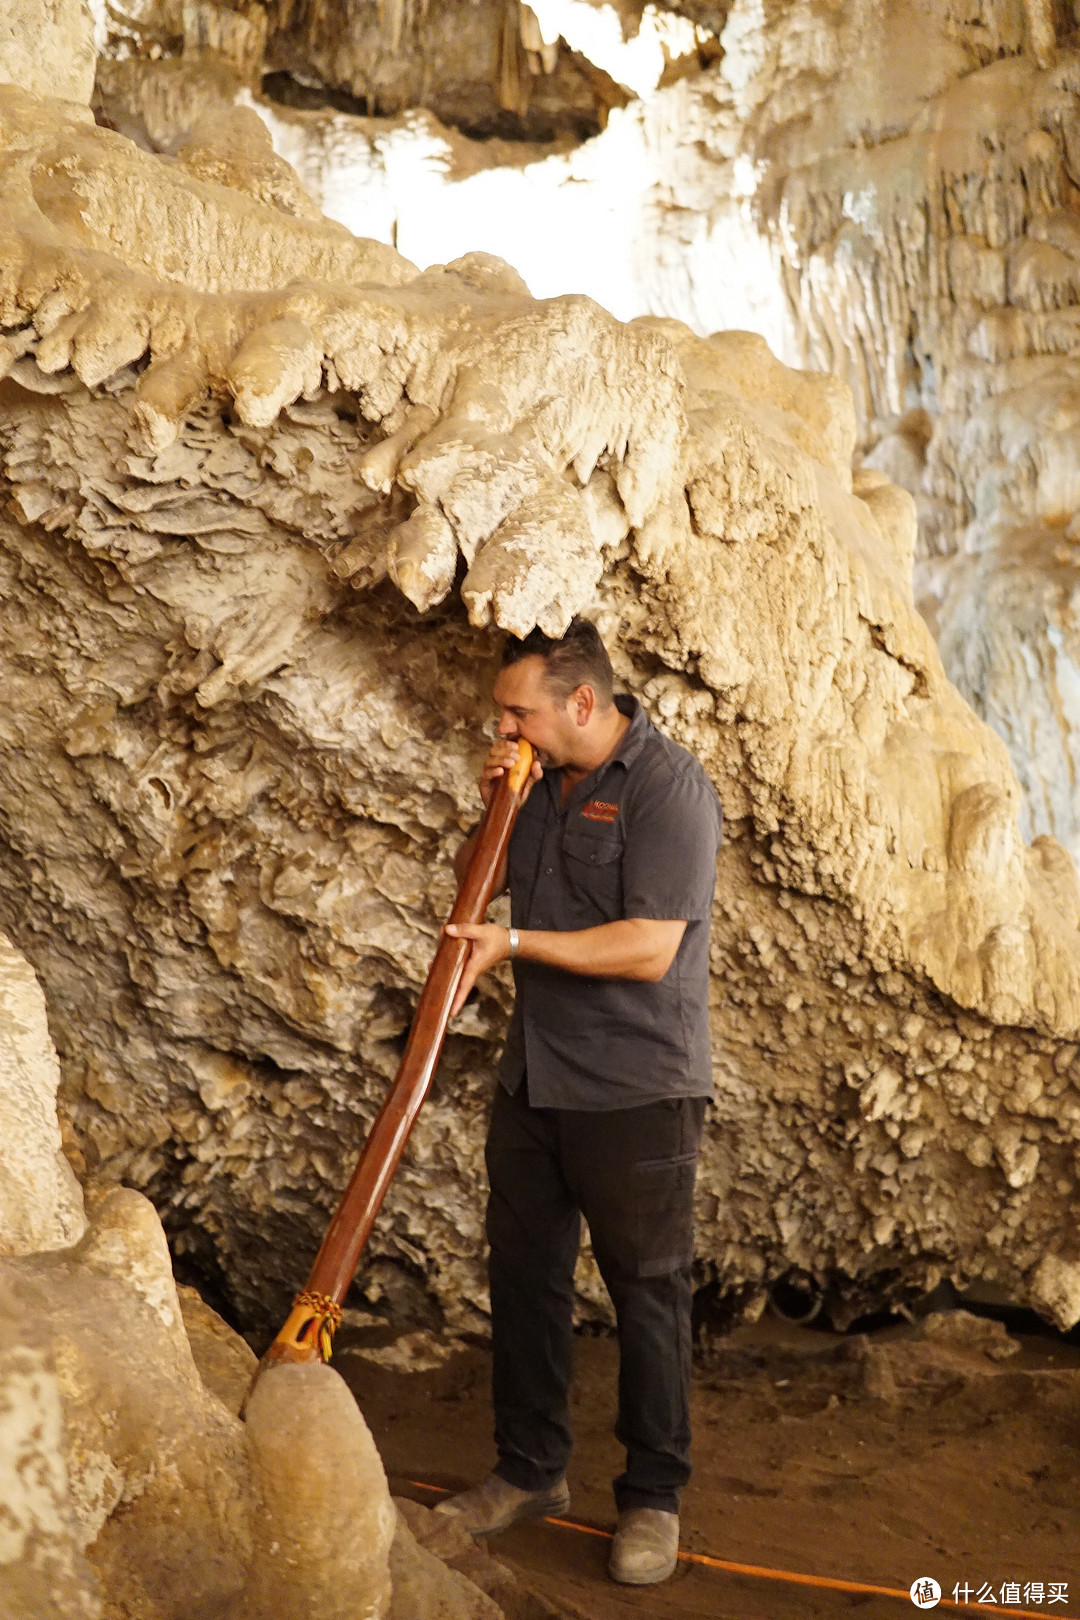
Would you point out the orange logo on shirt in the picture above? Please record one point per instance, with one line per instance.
(600, 810)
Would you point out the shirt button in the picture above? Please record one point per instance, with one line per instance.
(549, 871)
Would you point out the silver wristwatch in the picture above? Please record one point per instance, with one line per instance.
(514, 942)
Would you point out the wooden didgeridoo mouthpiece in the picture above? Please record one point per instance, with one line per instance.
(309, 1329)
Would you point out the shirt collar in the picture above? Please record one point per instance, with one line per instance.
(636, 732)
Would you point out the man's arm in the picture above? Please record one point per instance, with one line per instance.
(641, 948)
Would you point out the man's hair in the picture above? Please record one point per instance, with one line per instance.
(577, 658)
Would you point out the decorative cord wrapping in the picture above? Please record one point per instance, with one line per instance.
(327, 1316)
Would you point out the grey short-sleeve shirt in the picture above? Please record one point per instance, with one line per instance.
(639, 837)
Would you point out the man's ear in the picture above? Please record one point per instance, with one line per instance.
(583, 699)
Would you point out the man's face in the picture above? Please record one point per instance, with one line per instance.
(530, 710)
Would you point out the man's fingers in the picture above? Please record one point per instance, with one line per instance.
(485, 950)
(469, 975)
(468, 979)
(502, 755)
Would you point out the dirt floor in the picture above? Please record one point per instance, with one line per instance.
(943, 1449)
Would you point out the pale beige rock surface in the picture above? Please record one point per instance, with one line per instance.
(41, 1203)
(424, 1589)
(47, 46)
(42, 1573)
(917, 174)
(437, 1567)
(225, 1361)
(238, 759)
(329, 1521)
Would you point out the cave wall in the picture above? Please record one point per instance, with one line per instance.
(270, 493)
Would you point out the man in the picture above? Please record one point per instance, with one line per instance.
(604, 1082)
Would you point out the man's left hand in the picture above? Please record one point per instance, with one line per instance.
(490, 944)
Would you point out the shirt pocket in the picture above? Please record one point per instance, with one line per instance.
(593, 867)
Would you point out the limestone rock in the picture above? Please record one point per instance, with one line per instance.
(225, 1361)
(329, 1520)
(485, 68)
(445, 1546)
(924, 210)
(42, 1573)
(425, 1589)
(41, 1205)
(1055, 1288)
(158, 1477)
(980, 1334)
(908, 225)
(47, 46)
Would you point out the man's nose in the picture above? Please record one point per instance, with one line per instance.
(507, 725)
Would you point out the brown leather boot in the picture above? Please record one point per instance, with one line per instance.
(493, 1505)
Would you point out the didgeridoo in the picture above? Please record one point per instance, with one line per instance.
(309, 1329)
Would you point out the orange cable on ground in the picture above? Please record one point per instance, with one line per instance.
(791, 1577)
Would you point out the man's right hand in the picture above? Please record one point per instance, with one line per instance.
(502, 755)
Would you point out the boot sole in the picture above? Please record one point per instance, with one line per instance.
(652, 1579)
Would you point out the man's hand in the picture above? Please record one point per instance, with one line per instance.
(501, 756)
(490, 944)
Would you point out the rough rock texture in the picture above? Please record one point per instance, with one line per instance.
(256, 540)
(447, 1567)
(886, 190)
(226, 1362)
(129, 1490)
(484, 68)
(424, 1589)
(645, 216)
(47, 46)
(43, 1576)
(41, 1204)
(917, 170)
(158, 1472)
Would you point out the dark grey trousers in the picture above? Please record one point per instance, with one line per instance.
(631, 1173)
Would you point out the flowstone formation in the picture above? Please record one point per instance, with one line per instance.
(269, 494)
(918, 171)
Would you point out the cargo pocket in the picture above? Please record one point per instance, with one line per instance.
(664, 1213)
